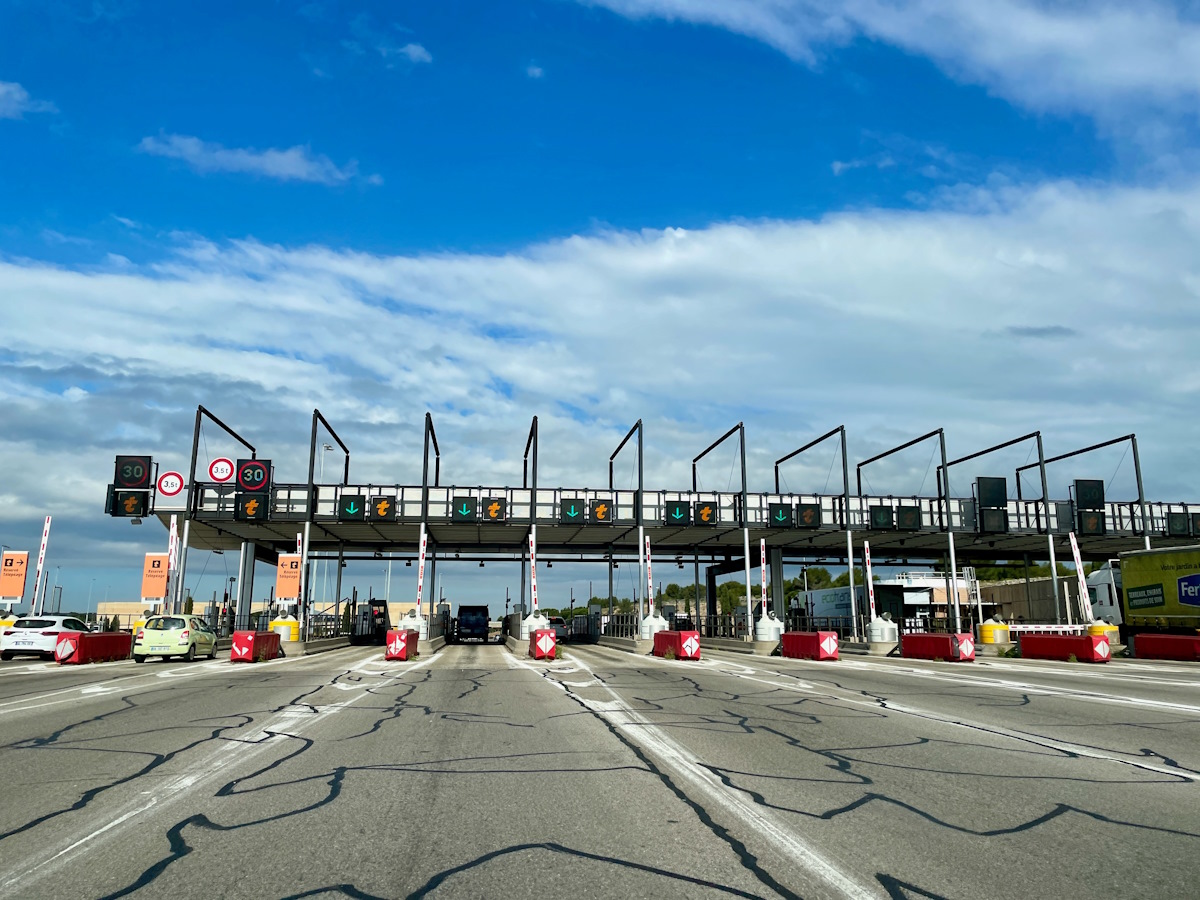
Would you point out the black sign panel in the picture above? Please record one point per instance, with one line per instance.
(1195, 524)
(464, 509)
(1090, 522)
(253, 476)
(992, 492)
(882, 518)
(780, 515)
(678, 512)
(130, 504)
(383, 508)
(993, 521)
(1089, 493)
(908, 518)
(132, 472)
(808, 515)
(707, 514)
(601, 512)
(495, 509)
(251, 507)
(352, 508)
(1177, 524)
(572, 512)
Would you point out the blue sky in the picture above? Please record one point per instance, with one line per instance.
(626, 125)
(897, 215)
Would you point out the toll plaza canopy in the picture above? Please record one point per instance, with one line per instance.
(496, 520)
(604, 523)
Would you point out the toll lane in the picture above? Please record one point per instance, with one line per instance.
(463, 774)
(913, 791)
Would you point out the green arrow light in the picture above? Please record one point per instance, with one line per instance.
(779, 516)
(465, 511)
(678, 514)
(572, 512)
(351, 509)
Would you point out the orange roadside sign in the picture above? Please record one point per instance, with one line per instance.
(12, 573)
(154, 577)
(287, 577)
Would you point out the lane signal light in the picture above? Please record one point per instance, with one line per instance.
(601, 511)
(678, 512)
(706, 514)
(779, 515)
(384, 508)
(250, 508)
(129, 504)
(464, 509)
(495, 509)
(808, 515)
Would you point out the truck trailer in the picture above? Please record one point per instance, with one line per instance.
(1161, 590)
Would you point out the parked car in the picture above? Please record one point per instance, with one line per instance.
(36, 635)
(186, 636)
(559, 624)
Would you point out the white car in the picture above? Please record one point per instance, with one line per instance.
(36, 635)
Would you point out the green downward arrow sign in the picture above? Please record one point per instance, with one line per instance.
(572, 512)
(351, 509)
(465, 511)
(678, 514)
(779, 516)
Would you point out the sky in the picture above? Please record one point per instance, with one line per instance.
(896, 215)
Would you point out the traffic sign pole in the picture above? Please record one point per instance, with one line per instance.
(169, 599)
(749, 593)
(533, 597)
(649, 582)
(870, 580)
(39, 602)
(421, 573)
(762, 570)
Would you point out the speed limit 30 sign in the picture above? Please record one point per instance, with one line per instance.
(254, 475)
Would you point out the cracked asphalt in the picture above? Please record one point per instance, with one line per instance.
(479, 773)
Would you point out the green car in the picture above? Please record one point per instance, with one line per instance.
(186, 636)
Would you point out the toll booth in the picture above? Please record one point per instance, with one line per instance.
(371, 623)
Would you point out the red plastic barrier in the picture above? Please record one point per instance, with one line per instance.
(542, 643)
(948, 647)
(1183, 647)
(809, 645)
(401, 644)
(1084, 647)
(682, 644)
(254, 646)
(78, 647)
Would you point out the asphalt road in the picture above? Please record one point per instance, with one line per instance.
(477, 773)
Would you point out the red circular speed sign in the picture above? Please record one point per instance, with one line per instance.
(254, 474)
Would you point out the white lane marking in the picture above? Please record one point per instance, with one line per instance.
(71, 694)
(831, 693)
(689, 769)
(208, 768)
(965, 678)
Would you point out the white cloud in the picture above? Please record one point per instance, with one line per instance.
(414, 53)
(534, 71)
(1103, 58)
(293, 164)
(997, 311)
(15, 102)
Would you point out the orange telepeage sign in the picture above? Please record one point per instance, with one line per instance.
(287, 577)
(154, 576)
(13, 569)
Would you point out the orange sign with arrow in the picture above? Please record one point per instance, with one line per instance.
(12, 573)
